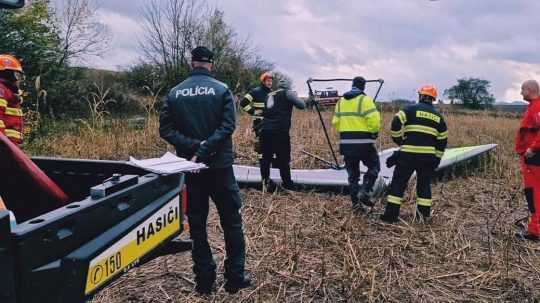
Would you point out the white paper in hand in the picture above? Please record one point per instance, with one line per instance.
(167, 164)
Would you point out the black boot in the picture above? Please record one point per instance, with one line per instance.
(425, 211)
(364, 196)
(205, 283)
(204, 289)
(285, 174)
(527, 236)
(360, 208)
(269, 185)
(232, 286)
(289, 185)
(391, 213)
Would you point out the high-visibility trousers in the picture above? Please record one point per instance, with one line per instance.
(531, 184)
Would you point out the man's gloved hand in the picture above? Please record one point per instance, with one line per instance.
(393, 159)
(203, 153)
(374, 135)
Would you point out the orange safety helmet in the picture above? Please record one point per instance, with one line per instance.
(428, 90)
(265, 76)
(8, 62)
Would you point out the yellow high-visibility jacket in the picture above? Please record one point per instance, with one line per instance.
(357, 119)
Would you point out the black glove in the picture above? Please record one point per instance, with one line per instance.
(374, 135)
(393, 159)
(203, 153)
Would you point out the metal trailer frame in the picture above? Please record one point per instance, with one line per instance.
(311, 99)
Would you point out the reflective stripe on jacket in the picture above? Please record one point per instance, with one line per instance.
(253, 102)
(420, 131)
(11, 115)
(357, 115)
(357, 120)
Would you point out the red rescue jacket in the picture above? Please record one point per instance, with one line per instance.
(528, 135)
(11, 115)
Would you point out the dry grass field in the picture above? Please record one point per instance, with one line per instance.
(310, 247)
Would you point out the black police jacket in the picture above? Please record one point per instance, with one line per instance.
(198, 118)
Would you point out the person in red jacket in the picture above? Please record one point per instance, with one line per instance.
(11, 116)
(528, 148)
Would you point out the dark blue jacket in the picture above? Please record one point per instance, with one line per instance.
(198, 118)
(278, 109)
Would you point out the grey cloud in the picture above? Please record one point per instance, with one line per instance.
(406, 42)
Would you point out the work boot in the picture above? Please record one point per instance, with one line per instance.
(527, 236)
(269, 186)
(424, 211)
(289, 185)
(233, 287)
(359, 208)
(204, 289)
(364, 196)
(391, 213)
(204, 282)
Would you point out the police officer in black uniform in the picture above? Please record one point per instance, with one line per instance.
(422, 135)
(275, 138)
(198, 118)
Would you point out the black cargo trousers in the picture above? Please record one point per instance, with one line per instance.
(425, 172)
(369, 156)
(256, 128)
(220, 185)
(276, 143)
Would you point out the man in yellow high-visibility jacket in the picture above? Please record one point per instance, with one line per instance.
(358, 121)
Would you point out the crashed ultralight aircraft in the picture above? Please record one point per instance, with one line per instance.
(335, 176)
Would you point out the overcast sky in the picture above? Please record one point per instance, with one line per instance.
(405, 42)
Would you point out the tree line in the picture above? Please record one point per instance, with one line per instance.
(54, 42)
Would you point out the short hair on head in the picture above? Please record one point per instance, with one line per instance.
(532, 86)
(359, 82)
(196, 63)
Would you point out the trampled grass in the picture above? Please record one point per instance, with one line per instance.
(310, 247)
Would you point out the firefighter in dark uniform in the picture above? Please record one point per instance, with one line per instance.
(421, 133)
(253, 104)
(275, 138)
(358, 121)
(198, 118)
